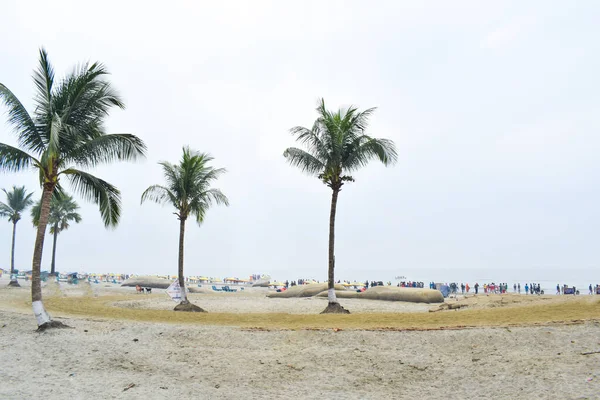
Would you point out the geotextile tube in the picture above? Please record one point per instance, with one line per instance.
(392, 293)
(148, 281)
(309, 290)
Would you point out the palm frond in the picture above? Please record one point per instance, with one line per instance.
(6, 211)
(88, 95)
(36, 211)
(315, 144)
(172, 175)
(28, 134)
(106, 149)
(303, 160)
(82, 101)
(56, 127)
(98, 191)
(160, 195)
(365, 149)
(43, 78)
(216, 196)
(14, 160)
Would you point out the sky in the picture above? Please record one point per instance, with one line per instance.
(494, 108)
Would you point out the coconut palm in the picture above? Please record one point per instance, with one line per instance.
(66, 132)
(17, 201)
(188, 191)
(337, 145)
(63, 210)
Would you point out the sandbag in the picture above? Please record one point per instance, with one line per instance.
(194, 289)
(147, 281)
(305, 290)
(393, 293)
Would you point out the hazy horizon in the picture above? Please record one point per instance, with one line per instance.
(494, 109)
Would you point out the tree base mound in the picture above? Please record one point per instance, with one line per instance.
(188, 307)
(52, 325)
(13, 283)
(335, 308)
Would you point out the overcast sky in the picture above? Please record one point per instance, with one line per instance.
(494, 108)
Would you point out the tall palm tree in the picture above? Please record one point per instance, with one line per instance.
(188, 191)
(63, 209)
(66, 131)
(337, 145)
(17, 201)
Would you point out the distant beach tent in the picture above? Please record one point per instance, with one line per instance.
(276, 284)
(445, 289)
(235, 280)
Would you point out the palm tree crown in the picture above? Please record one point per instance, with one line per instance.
(63, 210)
(17, 201)
(66, 131)
(188, 186)
(337, 145)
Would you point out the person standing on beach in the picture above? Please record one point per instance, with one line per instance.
(476, 287)
(526, 289)
(557, 288)
(519, 287)
(591, 289)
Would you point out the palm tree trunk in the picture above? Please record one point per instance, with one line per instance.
(13, 279)
(331, 288)
(12, 251)
(52, 268)
(181, 242)
(36, 286)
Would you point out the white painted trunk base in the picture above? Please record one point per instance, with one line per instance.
(40, 313)
(331, 296)
(183, 295)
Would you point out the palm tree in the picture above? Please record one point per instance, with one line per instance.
(188, 191)
(66, 131)
(63, 209)
(17, 201)
(335, 146)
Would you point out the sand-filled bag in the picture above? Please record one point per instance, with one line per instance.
(393, 293)
(305, 290)
(147, 281)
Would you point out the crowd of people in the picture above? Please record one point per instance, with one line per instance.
(501, 288)
(464, 288)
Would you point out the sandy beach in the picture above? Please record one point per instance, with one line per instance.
(107, 357)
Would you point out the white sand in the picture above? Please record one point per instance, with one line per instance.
(195, 361)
